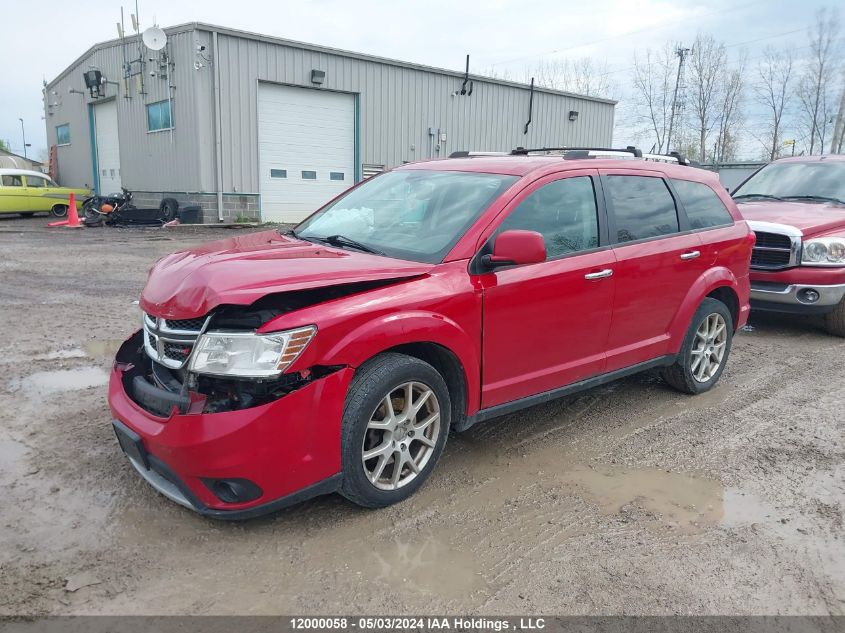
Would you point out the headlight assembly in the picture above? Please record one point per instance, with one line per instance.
(249, 355)
(824, 251)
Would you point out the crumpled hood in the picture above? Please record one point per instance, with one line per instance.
(812, 218)
(241, 270)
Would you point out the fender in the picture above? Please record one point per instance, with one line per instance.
(373, 337)
(703, 286)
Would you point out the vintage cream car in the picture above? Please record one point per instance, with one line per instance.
(29, 192)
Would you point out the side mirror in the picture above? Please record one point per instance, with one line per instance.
(516, 247)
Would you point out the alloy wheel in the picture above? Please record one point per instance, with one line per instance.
(401, 435)
(708, 347)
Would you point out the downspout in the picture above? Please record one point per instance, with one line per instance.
(218, 134)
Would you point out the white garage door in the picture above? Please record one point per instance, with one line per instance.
(306, 141)
(108, 147)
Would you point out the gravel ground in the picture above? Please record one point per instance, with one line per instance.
(630, 498)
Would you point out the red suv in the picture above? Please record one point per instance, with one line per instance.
(274, 367)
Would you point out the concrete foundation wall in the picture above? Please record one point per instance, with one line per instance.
(235, 205)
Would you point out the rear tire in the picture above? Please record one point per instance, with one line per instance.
(59, 210)
(834, 322)
(404, 436)
(169, 209)
(705, 350)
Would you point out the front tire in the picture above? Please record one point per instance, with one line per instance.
(395, 423)
(834, 322)
(705, 350)
(59, 210)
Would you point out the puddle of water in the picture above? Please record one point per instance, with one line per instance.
(413, 560)
(45, 383)
(62, 354)
(106, 348)
(680, 500)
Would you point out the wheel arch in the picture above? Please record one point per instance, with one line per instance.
(718, 283)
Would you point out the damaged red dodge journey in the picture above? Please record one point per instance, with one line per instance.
(274, 367)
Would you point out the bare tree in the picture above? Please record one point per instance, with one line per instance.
(653, 83)
(773, 91)
(729, 112)
(581, 76)
(707, 64)
(817, 79)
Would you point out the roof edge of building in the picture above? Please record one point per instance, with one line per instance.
(272, 39)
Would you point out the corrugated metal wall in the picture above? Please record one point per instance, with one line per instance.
(148, 160)
(397, 105)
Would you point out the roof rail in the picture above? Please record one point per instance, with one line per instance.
(471, 154)
(523, 151)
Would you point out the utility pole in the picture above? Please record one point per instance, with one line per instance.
(682, 53)
(23, 134)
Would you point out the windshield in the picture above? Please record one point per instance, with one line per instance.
(415, 214)
(797, 180)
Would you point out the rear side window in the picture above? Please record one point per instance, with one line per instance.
(703, 207)
(563, 212)
(643, 207)
(12, 181)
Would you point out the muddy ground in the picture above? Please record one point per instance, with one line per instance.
(630, 498)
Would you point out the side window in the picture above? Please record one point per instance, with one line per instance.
(704, 208)
(564, 212)
(12, 181)
(35, 181)
(642, 207)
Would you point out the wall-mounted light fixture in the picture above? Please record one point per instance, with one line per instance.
(573, 115)
(318, 76)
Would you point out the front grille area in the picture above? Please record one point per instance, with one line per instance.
(772, 251)
(189, 325)
(170, 342)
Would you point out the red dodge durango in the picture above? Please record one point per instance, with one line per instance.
(796, 206)
(337, 356)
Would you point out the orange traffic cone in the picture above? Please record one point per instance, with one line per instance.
(73, 217)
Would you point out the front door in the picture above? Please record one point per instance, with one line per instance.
(658, 260)
(108, 148)
(545, 325)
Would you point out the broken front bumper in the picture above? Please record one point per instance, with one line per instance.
(285, 451)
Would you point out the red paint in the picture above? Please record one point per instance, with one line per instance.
(515, 330)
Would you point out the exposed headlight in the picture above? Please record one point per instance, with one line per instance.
(247, 354)
(824, 251)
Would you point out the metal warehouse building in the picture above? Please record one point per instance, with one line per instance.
(251, 126)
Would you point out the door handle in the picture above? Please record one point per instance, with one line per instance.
(601, 274)
(690, 255)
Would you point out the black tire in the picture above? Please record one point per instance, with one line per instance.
(27, 214)
(834, 322)
(59, 210)
(372, 383)
(169, 209)
(680, 374)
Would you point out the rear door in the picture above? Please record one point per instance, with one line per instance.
(546, 324)
(658, 259)
(12, 194)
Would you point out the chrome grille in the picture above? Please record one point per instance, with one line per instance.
(778, 246)
(170, 342)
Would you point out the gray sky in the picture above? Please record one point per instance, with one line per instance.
(37, 41)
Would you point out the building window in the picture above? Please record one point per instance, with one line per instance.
(309, 175)
(158, 116)
(278, 173)
(63, 134)
(336, 175)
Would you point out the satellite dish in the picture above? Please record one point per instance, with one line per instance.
(154, 38)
